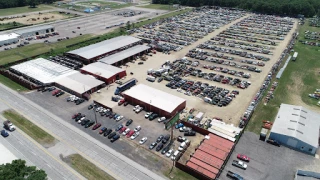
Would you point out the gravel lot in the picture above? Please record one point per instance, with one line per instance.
(268, 162)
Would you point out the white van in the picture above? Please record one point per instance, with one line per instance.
(175, 155)
(151, 78)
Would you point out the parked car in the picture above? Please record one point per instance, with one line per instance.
(243, 157)
(60, 93)
(119, 118)
(166, 139)
(90, 106)
(143, 140)
(129, 122)
(84, 122)
(4, 133)
(190, 133)
(138, 128)
(108, 131)
(96, 126)
(135, 135)
(102, 130)
(115, 137)
(90, 123)
(125, 132)
(111, 135)
(159, 147)
(125, 103)
(130, 133)
(139, 109)
(147, 114)
(161, 119)
(165, 150)
(181, 139)
(136, 107)
(121, 102)
(152, 145)
(122, 130)
(169, 153)
(76, 115)
(273, 142)
(234, 176)
(179, 125)
(239, 164)
(153, 116)
(176, 155)
(160, 138)
(119, 127)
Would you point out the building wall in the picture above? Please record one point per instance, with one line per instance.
(293, 143)
(16, 40)
(149, 107)
(76, 93)
(39, 32)
(109, 80)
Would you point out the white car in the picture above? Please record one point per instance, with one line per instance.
(119, 118)
(169, 153)
(134, 135)
(126, 131)
(80, 120)
(136, 107)
(139, 109)
(148, 114)
(161, 119)
(138, 128)
(98, 109)
(143, 140)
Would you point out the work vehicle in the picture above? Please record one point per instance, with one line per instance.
(9, 126)
(143, 140)
(4, 133)
(111, 135)
(154, 144)
(129, 122)
(115, 137)
(176, 155)
(151, 78)
(125, 86)
(239, 164)
(243, 157)
(96, 126)
(234, 176)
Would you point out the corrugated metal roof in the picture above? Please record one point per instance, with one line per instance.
(155, 97)
(297, 122)
(124, 54)
(102, 69)
(4, 37)
(79, 83)
(104, 47)
(42, 70)
(33, 29)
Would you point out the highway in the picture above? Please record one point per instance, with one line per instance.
(73, 139)
(23, 147)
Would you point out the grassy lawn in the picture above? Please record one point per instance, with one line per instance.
(159, 6)
(86, 168)
(20, 10)
(5, 26)
(11, 84)
(177, 174)
(29, 128)
(299, 79)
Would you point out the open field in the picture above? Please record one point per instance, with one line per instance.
(29, 128)
(21, 10)
(298, 80)
(81, 6)
(10, 25)
(11, 84)
(177, 174)
(86, 168)
(159, 6)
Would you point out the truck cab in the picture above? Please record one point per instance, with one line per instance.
(9, 126)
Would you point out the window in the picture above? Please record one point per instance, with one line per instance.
(304, 111)
(301, 124)
(293, 121)
(303, 117)
(295, 114)
(299, 132)
(310, 149)
(302, 148)
(291, 129)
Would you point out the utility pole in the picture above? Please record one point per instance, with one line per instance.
(95, 115)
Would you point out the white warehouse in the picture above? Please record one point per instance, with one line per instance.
(9, 38)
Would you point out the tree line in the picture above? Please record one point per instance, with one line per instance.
(292, 8)
(19, 3)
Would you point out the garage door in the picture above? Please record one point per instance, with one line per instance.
(292, 142)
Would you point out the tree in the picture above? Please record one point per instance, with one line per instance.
(128, 25)
(18, 170)
(14, 23)
(33, 3)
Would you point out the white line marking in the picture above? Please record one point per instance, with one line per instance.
(48, 165)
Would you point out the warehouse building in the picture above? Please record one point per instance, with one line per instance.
(297, 128)
(99, 50)
(6, 39)
(125, 56)
(79, 84)
(35, 31)
(40, 71)
(104, 72)
(154, 100)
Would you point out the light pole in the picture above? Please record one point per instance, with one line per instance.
(95, 115)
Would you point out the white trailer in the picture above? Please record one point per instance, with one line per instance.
(295, 55)
(199, 116)
(151, 78)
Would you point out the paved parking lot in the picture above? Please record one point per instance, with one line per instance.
(268, 162)
(131, 148)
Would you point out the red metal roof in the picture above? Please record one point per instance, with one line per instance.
(209, 159)
(204, 165)
(219, 144)
(224, 141)
(201, 170)
(213, 151)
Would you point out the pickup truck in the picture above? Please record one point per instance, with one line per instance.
(234, 175)
(9, 126)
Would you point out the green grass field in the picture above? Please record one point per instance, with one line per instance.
(11, 84)
(21, 10)
(299, 79)
(86, 168)
(38, 134)
(5, 26)
(177, 174)
(159, 6)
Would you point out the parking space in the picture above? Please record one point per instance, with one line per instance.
(268, 162)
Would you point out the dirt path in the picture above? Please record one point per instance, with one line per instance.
(33, 18)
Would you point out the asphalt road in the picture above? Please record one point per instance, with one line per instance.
(70, 137)
(23, 147)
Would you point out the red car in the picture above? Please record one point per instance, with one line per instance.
(130, 133)
(55, 92)
(75, 115)
(122, 129)
(243, 157)
(96, 126)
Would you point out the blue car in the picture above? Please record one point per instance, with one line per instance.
(179, 125)
(4, 133)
